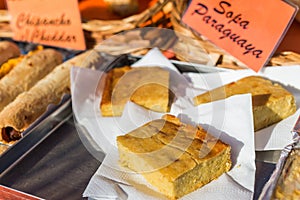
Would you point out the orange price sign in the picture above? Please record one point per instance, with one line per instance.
(49, 22)
(250, 30)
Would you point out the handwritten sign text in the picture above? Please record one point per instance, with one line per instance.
(249, 30)
(49, 22)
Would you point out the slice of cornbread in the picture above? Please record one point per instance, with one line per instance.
(145, 86)
(108, 106)
(175, 157)
(270, 101)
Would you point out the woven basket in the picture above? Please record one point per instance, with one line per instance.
(157, 15)
(5, 30)
(218, 56)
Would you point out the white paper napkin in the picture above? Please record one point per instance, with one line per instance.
(239, 135)
(237, 184)
(155, 58)
(274, 137)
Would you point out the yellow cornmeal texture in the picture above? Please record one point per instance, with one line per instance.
(151, 89)
(174, 157)
(145, 86)
(114, 107)
(271, 102)
(288, 187)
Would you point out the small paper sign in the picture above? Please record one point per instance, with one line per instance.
(49, 22)
(248, 30)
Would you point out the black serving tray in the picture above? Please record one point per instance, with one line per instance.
(54, 117)
(42, 127)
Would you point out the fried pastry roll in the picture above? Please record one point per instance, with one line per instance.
(24, 75)
(30, 105)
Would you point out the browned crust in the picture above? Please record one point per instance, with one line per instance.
(8, 50)
(107, 107)
(251, 84)
(145, 86)
(30, 105)
(270, 101)
(189, 157)
(106, 94)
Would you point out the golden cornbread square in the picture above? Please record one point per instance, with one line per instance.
(174, 157)
(270, 101)
(145, 86)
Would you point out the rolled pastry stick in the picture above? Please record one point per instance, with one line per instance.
(8, 50)
(7, 66)
(30, 105)
(24, 75)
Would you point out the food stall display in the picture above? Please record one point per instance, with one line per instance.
(139, 93)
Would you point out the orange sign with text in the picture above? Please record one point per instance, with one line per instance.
(250, 30)
(49, 22)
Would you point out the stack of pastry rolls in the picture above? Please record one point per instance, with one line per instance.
(38, 80)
